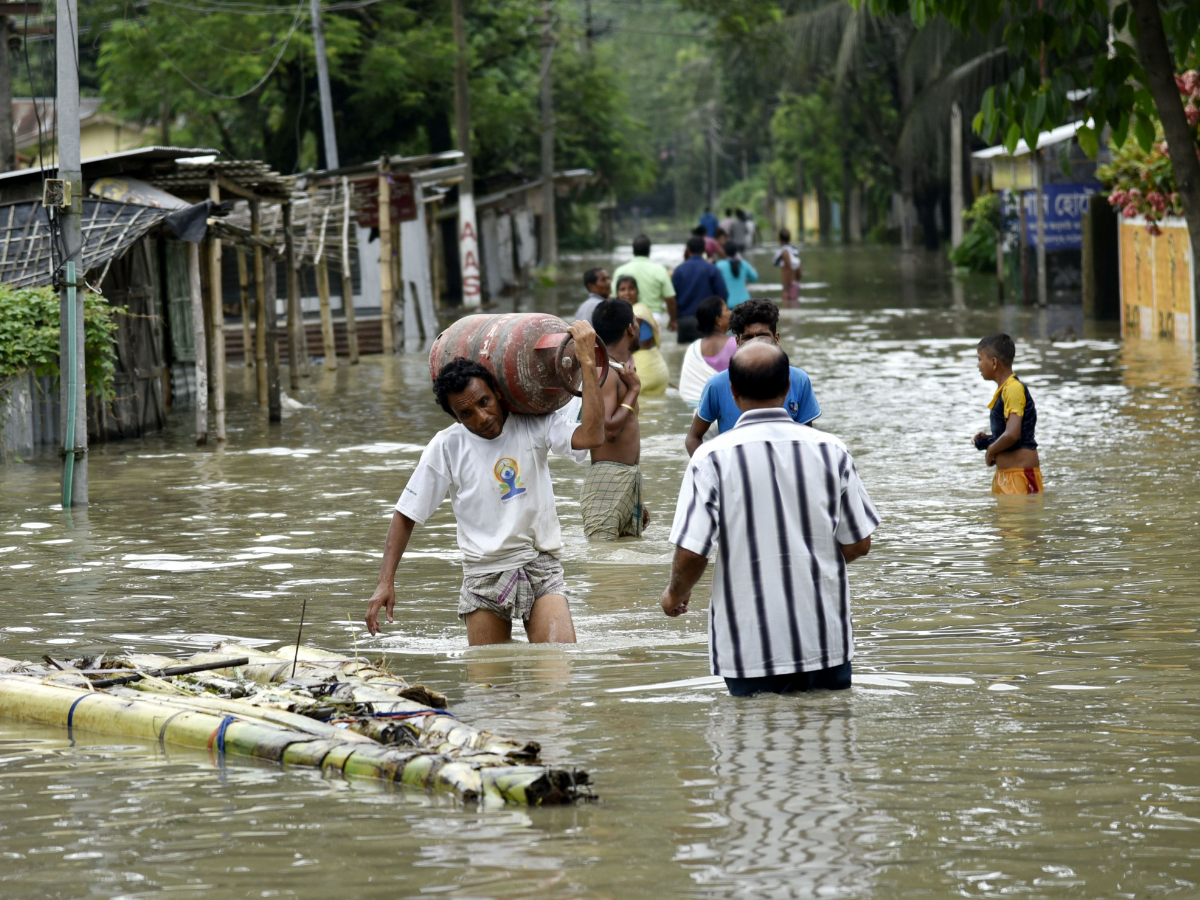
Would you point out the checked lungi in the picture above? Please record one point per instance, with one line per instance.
(612, 500)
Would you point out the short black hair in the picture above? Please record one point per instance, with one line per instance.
(708, 311)
(641, 245)
(455, 377)
(610, 318)
(999, 346)
(751, 312)
(700, 231)
(729, 210)
(760, 381)
(719, 231)
(785, 236)
(589, 277)
(695, 245)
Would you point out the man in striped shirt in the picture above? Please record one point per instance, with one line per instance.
(786, 510)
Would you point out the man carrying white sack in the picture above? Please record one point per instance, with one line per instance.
(494, 465)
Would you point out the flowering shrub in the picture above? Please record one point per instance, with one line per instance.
(1143, 183)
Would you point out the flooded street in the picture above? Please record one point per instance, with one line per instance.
(1030, 729)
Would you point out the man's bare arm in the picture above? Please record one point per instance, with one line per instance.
(686, 569)
(851, 552)
(590, 433)
(695, 435)
(616, 414)
(1012, 434)
(399, 533)
(672, 309)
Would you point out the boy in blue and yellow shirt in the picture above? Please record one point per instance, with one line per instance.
(1010, 447)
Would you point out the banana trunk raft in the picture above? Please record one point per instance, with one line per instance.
(316, 709)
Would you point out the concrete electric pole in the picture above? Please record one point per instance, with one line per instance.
(549, 227)
(69, 207)
(468, 234)
(328, 134)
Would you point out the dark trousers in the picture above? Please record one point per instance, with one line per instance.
(835, 678)
(689, 329)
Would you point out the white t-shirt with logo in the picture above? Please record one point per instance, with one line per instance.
(500, 489)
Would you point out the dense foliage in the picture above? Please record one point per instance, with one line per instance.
(977, 252)
(29, 335)
(1143, 182)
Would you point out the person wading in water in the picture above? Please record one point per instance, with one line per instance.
(493, 463)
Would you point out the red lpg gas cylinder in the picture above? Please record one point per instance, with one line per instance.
(531, 355)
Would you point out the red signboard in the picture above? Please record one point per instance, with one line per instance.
(403, 205)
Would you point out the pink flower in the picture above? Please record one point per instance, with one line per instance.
(1117, 198)
(1189, 82)
(1129, 212)
(1193, 115)
(1179, 83)
(1157, 200)
(1163, 148)
(1134, 195)
(1152, 229)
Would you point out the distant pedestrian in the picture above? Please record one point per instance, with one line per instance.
(598, 284)
(726, 223)
(754, 320)
(695, 279)
(712, 248)
(648, 358)
(737, 230)
(720, 238)
(787, 260)
(785, 510)
(710, 354)
(751, 231)
(737, 273)
(612, 489)
(708, 222)
(1011, 447)
(654, 283)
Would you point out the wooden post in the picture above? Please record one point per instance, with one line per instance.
(295, 319)
(385, 256)
(201, 347)
(260, 306)
(327, 338)
(244, 283)
(1043, 299)
(216, 299)
(274, 408)
(437, 258)
(1023, 258)
(347, 281)
(956, 176)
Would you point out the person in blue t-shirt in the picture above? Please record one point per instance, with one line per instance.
(749, 321)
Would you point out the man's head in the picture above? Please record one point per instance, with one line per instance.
(641, 245)
(728, 212)
(597, 281)
(996, 353)
(785, 236)
(759, 376)
(469, 393)
(719, 235)
(754, 320)
(695, 246)
(741, 214)
(700, 231)
(616, 324)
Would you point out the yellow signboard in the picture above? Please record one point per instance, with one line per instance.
(1156, 281)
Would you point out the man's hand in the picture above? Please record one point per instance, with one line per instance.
(980, 436)
(672, 325)
(585, 343)
(629, 376)
(675, 604)
(991, 455)
(385, 596)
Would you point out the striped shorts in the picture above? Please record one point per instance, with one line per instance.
(511, 595)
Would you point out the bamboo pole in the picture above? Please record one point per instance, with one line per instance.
(327, 337)
(386, 289)
(260, 306)
(200, 345)
(295, 318)
(217, 302)
(244, 285)
(347, 282)
(274, 407)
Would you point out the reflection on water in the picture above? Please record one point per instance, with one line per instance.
(1056, 757)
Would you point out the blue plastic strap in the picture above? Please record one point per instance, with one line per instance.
(221, 735)
(71, 713)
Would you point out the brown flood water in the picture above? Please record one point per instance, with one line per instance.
(1038, 735)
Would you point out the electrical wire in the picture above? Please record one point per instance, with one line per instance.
(257, 85)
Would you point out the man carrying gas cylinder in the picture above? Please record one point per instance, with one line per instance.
(494, 465)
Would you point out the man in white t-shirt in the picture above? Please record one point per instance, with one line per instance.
(494, 465)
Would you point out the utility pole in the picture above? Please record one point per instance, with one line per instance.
(549, 227)
(327, 132)
(1041, 228)
(72, 384)
(956, 175)
(468, 235)
(8, 150)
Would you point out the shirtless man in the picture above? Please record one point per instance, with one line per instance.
(612, 490)
(493, 464)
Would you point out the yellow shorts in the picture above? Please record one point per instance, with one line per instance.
(1017, 481)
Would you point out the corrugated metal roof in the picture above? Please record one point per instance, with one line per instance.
(1045, 139)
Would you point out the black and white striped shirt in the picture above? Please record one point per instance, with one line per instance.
(777, 499)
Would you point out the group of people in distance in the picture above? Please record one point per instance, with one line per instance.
(779, 501)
